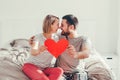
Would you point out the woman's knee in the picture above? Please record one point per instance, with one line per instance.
(59, 70)
(29, 66)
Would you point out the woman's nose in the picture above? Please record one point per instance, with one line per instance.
(59, 27)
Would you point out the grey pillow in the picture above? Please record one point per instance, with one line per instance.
(20, 43)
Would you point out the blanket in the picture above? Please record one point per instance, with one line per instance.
(10, 64)
(11, 61)
(98, 69)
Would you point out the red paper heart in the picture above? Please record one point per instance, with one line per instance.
(56, 48)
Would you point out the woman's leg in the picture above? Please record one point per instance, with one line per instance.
(53, 73)
(33, 72)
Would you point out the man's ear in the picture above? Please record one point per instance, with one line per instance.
(71, 27)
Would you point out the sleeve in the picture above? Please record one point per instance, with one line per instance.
(39, 38)
(86, 42)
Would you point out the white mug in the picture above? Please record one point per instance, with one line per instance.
(36, 46)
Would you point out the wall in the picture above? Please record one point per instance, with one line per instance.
(118, 46)
(119, 53)
(118, 49)
(23, 18)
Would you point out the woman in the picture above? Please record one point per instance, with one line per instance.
(38, 66)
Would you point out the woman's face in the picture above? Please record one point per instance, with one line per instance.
(55, 26)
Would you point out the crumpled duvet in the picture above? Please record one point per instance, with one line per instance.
(9, 70)
(12, 60)
(97, 68)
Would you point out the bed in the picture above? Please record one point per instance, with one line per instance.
(12, 58)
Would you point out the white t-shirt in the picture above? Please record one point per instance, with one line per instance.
(44, 59)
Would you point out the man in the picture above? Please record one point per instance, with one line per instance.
(79, 48)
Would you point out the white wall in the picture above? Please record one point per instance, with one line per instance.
(119, 53)
(101, 24)
(118, 46)
(98, 19)
(118, 49)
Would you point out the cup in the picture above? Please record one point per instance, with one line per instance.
(36, 45)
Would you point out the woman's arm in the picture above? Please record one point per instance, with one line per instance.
(36, 50)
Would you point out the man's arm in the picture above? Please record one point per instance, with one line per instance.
(84, 53)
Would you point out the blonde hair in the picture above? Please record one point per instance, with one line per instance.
(48, 21)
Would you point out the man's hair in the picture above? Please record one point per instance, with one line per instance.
(48, 21)
(71, 20)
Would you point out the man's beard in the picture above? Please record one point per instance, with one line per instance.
(66, 34)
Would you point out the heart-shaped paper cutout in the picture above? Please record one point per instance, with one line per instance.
(56, 48)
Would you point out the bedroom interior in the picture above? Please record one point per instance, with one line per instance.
(99, 20)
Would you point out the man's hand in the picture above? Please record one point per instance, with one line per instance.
(71, 51)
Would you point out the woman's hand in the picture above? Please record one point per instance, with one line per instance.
(31, 40)
(42, 48)
(38, 51)
(36, 48)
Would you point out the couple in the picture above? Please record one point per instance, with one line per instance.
(38, 65)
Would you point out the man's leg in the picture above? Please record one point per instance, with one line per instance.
(33, 72)
(53, 73)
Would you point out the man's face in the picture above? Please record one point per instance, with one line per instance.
(64, 27)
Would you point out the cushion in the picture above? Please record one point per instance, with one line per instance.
(20, 43)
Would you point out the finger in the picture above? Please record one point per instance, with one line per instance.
(43, 47)
(69, 51)
(31, 42)
(69, 46)
(32, 37)
(72, 48)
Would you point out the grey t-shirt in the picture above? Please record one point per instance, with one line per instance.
(68, 63)
(44, 59)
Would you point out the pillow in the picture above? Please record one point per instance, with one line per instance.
(20, 43)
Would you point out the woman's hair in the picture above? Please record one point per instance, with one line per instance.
(71, 20)
(48, 21)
